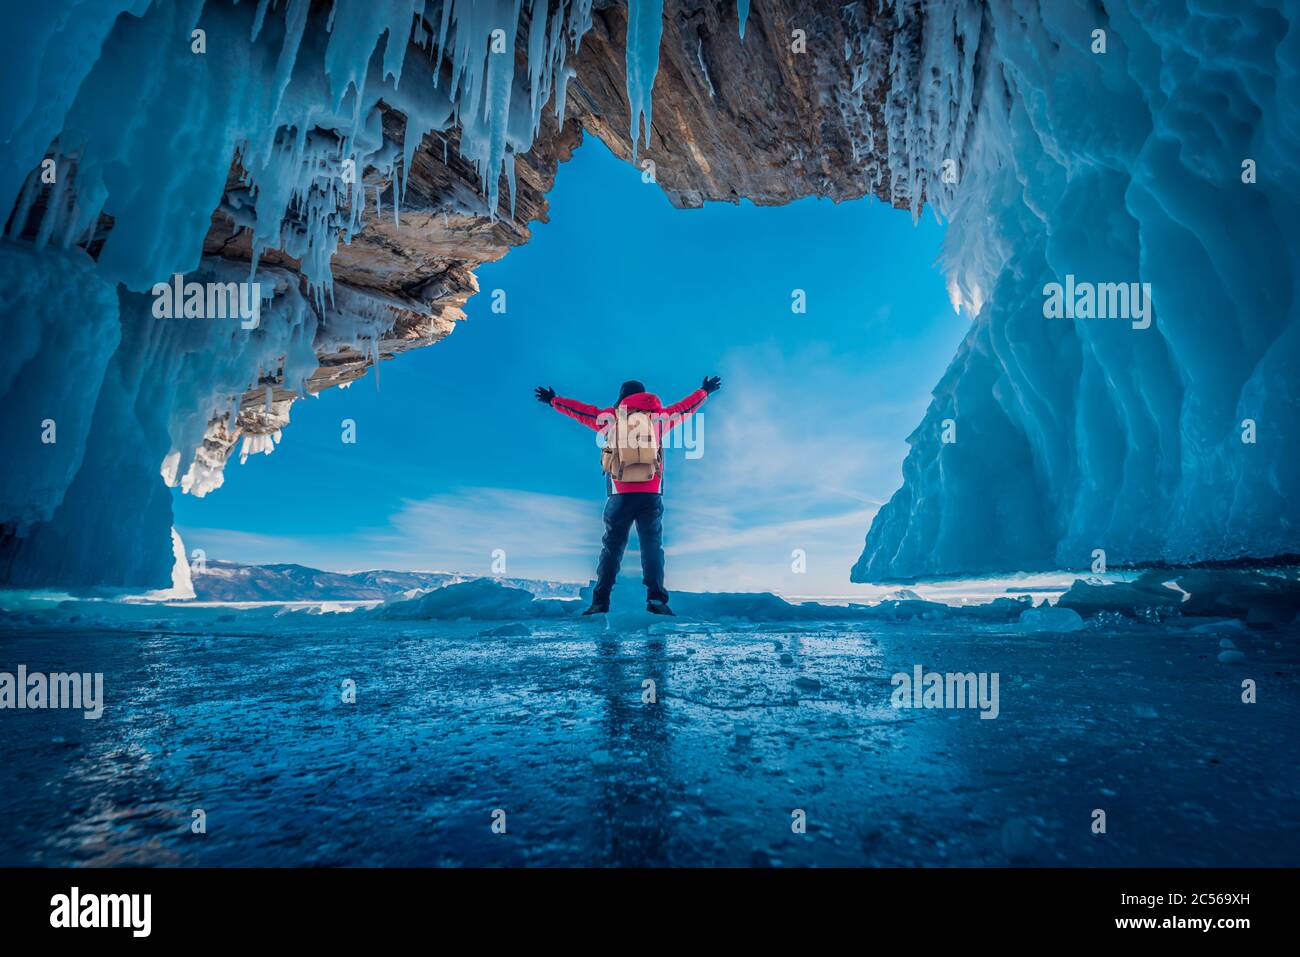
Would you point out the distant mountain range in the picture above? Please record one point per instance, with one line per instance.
(231, 581)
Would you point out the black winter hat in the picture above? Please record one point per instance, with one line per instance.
(630, 387)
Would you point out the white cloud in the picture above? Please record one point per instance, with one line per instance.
(543, 536)
(789, 463)
(257, 549)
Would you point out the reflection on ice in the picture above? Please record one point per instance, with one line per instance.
(690, 744)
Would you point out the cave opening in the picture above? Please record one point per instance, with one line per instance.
(828, 323)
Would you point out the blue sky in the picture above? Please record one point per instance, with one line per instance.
(454, 458)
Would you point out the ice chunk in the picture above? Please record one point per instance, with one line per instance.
(1265, 598)
(1126, 597)
(481, 599)
(999, 609)
(512, 630)
(1255, 597)
(1050, 618)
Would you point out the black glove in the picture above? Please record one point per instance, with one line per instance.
(544, 394)
(711, 384)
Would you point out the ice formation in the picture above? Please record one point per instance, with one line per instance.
(298, 104)
(482, 599)
(645, 25)
(1170, 159)
(1264, 600)
(134, 111)
(61, 329)
(1050, 618)
(182, 586)
(159, 396)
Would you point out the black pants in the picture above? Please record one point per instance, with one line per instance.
(647, 510)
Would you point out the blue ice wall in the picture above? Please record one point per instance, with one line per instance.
(1139, 143)
(120, 123)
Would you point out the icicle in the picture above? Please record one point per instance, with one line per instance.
(258, 19)
(562, 90)
(645, 25)
(70, 229)
(410, 140)
(24, 207)
(54, 211)
(295, 21)
(742, 11)
(442, 38)
(510, 180)
(536, 58)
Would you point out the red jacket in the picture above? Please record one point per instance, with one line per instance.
(600, 419)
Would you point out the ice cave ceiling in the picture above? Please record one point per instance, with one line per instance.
(366, 169)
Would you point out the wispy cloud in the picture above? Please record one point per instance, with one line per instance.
(702, 538)
(790, 463)
(541, 535)
(254, 548)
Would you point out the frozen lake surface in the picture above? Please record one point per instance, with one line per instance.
(240, 714)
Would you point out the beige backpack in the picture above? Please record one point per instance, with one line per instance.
(632, 452)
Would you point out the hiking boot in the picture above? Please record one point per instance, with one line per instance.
(597, 608)
(659, 608)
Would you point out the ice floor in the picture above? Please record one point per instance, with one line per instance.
(240, 715)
